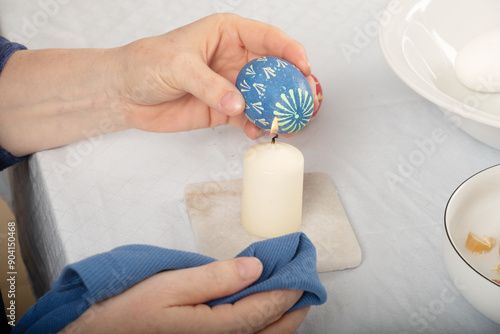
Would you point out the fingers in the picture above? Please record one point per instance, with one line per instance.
(193, 75)
(252, 131)
(264, 39)
(254, 312)
(289, 323)
(218, 279)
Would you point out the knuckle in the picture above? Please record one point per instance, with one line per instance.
(218, 275)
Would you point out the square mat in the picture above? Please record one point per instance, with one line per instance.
(214, 210)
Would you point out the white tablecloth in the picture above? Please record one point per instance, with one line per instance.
(394, 158)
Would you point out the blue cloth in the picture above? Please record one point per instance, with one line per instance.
(289, 263)
(7, 159)
(6, 50)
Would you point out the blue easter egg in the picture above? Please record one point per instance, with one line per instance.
(273, 87)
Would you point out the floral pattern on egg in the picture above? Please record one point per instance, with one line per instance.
(273, 87)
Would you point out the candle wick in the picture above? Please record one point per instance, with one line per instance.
(274, 139)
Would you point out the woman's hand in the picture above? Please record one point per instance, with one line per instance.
(178, 81)
(173, 302)
(184, 79)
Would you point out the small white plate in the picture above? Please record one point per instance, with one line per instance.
(475, 207)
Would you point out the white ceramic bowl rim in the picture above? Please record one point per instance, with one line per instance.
(450, 239)
(441, 99)
(392, 53)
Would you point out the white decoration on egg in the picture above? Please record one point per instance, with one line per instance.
(262, 121)
(260, 88)
(269, 71)
(281, 63)
(258, 107)
(244, 86)
(250, 70)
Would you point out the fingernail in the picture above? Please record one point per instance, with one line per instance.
(249, 267)
(232, 102)
(307, 60)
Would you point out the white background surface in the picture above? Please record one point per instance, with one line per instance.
(393, 156)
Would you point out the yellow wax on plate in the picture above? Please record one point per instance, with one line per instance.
(477, 245)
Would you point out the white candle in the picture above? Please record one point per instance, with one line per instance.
(273, 176)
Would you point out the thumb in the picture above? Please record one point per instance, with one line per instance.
(215, 280)
(211, 88)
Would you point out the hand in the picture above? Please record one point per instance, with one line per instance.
(184, 79)
(173, 302)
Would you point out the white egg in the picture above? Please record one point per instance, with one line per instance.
(478, 63)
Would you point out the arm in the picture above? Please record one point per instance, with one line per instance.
(179, 81)
(53, 97)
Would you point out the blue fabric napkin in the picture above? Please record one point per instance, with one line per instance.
(289, 263)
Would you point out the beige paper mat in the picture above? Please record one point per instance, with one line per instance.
(214, 211)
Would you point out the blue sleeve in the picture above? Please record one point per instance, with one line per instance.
(289, 262)
(6, 50)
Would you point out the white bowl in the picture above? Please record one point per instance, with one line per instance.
(420, 40)
(475, 207)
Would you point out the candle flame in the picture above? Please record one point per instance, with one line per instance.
(274, 125)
